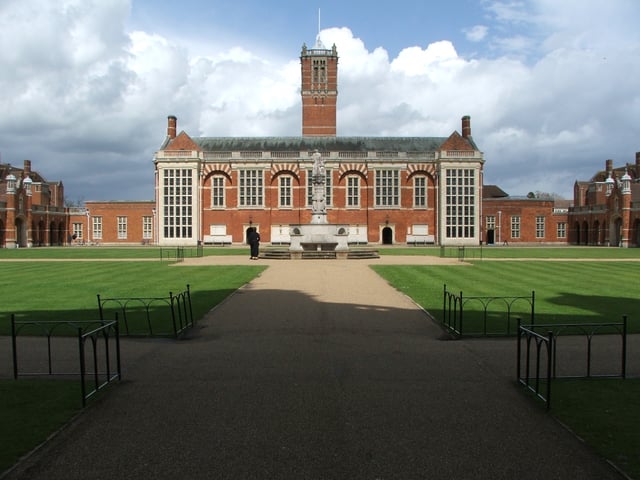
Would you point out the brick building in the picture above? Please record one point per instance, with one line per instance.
(523, 220)
(32, 209)
(386, 189)
(113, 223)
(606, 208)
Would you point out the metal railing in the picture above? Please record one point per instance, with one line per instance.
(174, 311)
(453, 312)
(94, 375)
(461, 252)
(178, 254)
(546, 352)
(172, 254)
(537, 383)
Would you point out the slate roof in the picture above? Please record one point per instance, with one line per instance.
(296, 144)
(493, 191)
(6, 169)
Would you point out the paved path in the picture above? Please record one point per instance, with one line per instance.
(315, 370)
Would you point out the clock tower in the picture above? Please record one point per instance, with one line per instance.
(319, 90)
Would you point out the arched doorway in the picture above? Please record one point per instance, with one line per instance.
(2, 232)
(387, 236)
(585, 234)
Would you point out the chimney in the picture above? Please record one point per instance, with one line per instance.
(172, 123)
(466, 126)
(27, 168)
(609, 166)
(637, 159)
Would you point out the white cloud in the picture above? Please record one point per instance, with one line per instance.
(476, 33)
(557, 95)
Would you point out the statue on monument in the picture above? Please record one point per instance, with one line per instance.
(318, 180)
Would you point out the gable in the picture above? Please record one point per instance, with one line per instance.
(456, 142)
(182, 142)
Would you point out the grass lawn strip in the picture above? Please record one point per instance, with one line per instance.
(605, 413)
(30, 411)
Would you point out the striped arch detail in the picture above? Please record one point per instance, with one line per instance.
(216, 167)
(429, 169)
(353, 167)
(285, 167)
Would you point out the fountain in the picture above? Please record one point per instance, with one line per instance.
(319, 236)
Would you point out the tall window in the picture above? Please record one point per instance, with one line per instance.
(420, 191)
(250, 188)
(460, 202)
(515, 226)
(540, 226)
(178, 202)
(122, 228)
(387, 188)
(147, 228)
(97, 228)
(217, 191)
(285, 191)
(491, 222)
(78, 231)
(328, 193)
(562, 230)
(353, 191)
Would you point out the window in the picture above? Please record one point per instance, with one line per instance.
(562, 230)
(250, 188)
(217, 191)
(460, 202)
(515, 226)
(420, 192)
(353, 191)
(147, 228)
(77, 231)
(177, 197)
(285, 191)
(97, 228)
(328, 194)
(122, 228)
(387, 188)
(540, 226)
(491, 222)
(319, 71)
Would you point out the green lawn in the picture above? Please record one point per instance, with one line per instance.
(605, 413)
(79, 252)
(67, 290)
(481, 252)
(565, 291)
(30, 411)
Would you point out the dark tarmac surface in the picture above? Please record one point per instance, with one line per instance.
(315, 370)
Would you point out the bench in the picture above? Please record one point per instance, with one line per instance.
(217, 240)
(420, 239)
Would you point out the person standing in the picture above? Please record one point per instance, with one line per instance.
(253, 237)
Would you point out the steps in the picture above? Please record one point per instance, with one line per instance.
(282, 253)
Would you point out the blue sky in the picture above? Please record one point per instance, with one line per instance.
(282, 26)
(551, 86)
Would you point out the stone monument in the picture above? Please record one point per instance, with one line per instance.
(319, 235)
